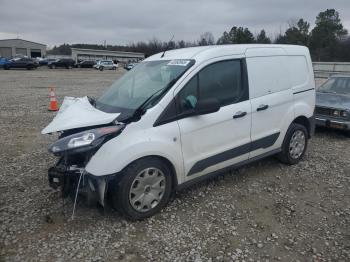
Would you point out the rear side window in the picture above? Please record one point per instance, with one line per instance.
(222, 81)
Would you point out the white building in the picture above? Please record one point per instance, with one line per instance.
(95, 54)
(12, 47)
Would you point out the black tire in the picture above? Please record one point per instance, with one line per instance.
(101, 68)
(347, 133)
(120, 190)
(285, 156)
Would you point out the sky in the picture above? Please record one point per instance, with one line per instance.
(125, 21)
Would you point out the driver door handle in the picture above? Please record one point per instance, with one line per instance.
(262, 107)
(239, 114)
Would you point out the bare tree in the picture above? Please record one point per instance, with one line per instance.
(206, 38)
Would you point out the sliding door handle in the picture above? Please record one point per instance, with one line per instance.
(262, 107)
(239, 114)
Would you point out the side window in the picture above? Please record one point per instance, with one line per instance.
(188, 96)
(221, 80)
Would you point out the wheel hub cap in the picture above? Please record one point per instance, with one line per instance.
(147, 189)
(297, 144)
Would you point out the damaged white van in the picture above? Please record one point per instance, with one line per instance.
(182, 116)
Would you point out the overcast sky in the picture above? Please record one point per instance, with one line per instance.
(124, 21)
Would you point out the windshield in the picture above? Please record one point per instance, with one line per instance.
(339, 85)
(135, 87)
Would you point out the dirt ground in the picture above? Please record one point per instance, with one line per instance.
(263, 212)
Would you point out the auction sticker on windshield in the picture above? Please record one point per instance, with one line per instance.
(179, 62)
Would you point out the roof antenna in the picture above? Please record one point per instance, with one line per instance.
(167, 47)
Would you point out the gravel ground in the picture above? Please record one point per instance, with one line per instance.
(263, 212)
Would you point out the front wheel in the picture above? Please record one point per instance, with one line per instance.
(294, 144)
(101, 68)
(144, 188)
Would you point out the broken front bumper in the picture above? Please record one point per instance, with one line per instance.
(72, 178)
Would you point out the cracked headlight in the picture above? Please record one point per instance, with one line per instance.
(85, 141)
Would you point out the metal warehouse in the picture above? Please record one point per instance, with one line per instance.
(12, 47)
(94, 54)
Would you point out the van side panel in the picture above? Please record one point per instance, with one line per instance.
(303, 84)
(270, 87)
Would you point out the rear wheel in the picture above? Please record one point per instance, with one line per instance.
(294, 144)
(347, 133)
(53, 67)
(144, 188)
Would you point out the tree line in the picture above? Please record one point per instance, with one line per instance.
(327, 41)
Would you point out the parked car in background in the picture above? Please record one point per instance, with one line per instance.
(182, 117)
(26, 63)
(333, 103)
(62, 63)
(86, 64)
(129, 66)
(46, 61)
(3, 61)
(105, 64)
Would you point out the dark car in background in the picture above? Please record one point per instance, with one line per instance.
(26, 63)
(46, 61)
(62, 63)
(3, 61)
(86, 64)
(333, 103)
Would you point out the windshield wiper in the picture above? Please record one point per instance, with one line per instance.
(159, 93)
(92, 100)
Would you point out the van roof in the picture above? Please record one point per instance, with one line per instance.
(202, 53)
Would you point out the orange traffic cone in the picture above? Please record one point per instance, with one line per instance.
(53, 100)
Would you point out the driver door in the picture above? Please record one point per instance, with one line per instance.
(214, 141)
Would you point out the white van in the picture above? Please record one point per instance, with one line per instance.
(183, 116)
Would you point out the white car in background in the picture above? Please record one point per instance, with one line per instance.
(105, 64)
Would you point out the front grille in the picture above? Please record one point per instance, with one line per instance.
(324, 111)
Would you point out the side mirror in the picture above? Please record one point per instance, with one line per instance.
(207, 106)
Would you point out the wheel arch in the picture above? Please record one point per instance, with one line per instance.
(306, 122)
(168, 163)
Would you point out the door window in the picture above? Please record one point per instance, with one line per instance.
(222, 81)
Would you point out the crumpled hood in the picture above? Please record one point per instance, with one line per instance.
(76, 113)
(340, 101)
